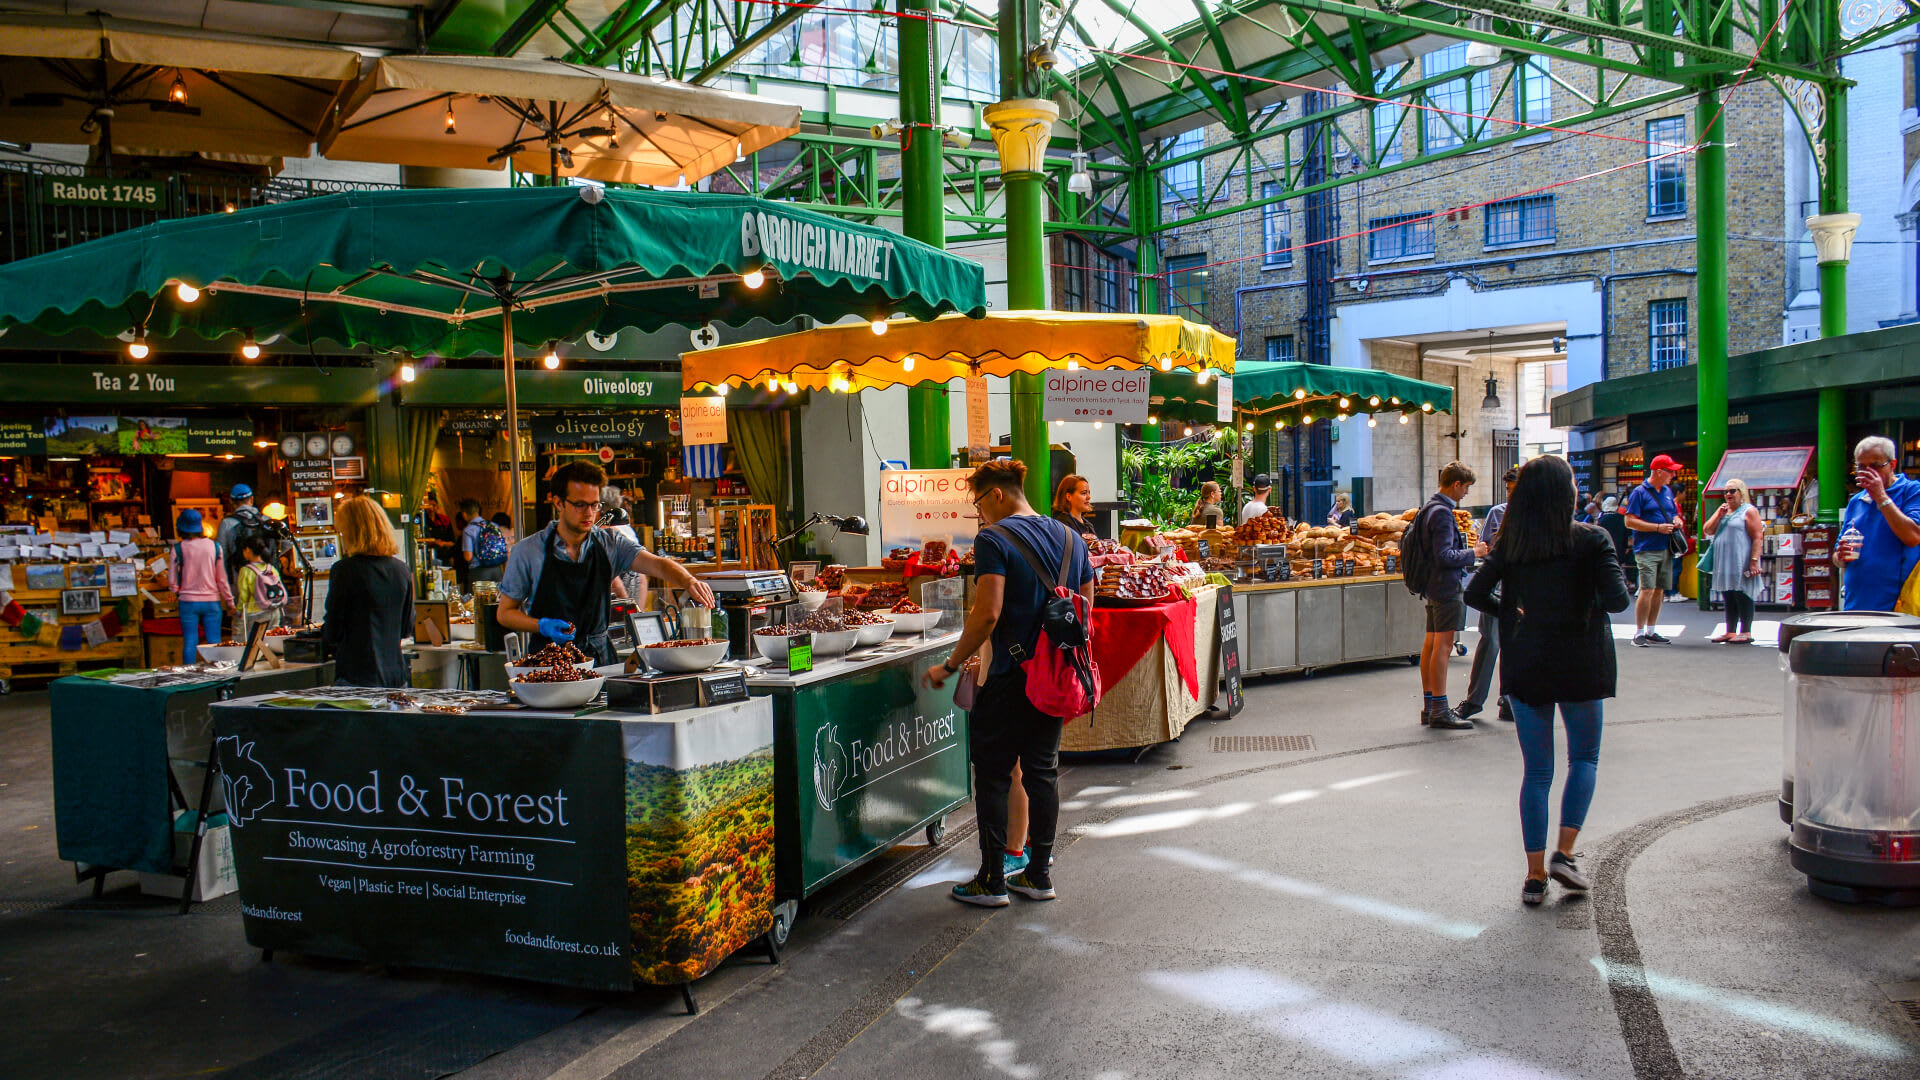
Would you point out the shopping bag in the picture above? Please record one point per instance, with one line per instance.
(1704, 566)
(1909, 602)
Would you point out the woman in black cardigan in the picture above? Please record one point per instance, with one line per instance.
(1552, 582)
(369, 599)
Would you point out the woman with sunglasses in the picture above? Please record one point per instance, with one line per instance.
(559, 580)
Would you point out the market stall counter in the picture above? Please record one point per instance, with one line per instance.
(864, 757)
(1159, 664)
(1308, 624)
(460, 830)
(129, 758)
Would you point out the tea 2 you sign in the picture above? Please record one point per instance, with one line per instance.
(1117, 397)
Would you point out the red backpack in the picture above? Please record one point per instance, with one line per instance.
(1061, 678)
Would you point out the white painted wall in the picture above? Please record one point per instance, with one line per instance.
(1460, 309)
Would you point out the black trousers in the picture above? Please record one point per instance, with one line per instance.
(1739, 611)
(1005, 728)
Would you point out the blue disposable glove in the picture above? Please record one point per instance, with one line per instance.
(557, 630)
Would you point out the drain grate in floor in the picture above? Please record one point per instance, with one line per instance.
(1245, 744)
(900, 871)
(1911, 1008)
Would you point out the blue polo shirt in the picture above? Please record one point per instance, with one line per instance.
(1872, 582)
(1654, 508)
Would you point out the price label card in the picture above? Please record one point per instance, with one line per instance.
(799, 653)
(119, 536)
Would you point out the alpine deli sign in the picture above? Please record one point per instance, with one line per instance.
(1116, 397)
(917, 505)
(805, 245)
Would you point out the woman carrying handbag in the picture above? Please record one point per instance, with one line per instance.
(1552, 582)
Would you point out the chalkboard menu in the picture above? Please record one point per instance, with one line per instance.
(1230, 652)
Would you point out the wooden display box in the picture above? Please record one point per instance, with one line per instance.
(27, 658)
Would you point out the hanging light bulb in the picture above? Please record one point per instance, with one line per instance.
(250, 348)
(1371, 422)
(792, 387)
(1300, 395)
(1394, 400)
(1189, 432)
(1166, 363)
(1403, 418)
(1344, 403)
(138, 349)
(1073, 365)
(177, 93)
(187, 293)
(1374, 401)
(1426, 406)
(1249, 425)
(1080, 182)
(753, 279)
(879, 327)
(406, 372)
(906, 365)
(773, 386)
(552, 359)
(1202, 377)
(1153, 421)
(722, 389)
(1307, 419)
(1059, 423)
(449, 118)
(1279, 425)
(1096, 425)
(1342, 418)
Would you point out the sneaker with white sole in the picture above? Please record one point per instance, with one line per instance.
(1033, 884)
(1012, 864)
(1567, 872)
(1657, 639)
(1640, 641)
(1534, 891)
(979, 893)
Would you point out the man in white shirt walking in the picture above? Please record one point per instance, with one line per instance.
(1257, 506)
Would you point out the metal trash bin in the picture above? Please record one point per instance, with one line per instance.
(1856, 795)
(1790, 628)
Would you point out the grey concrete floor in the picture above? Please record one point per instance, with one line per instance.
(1349, 911)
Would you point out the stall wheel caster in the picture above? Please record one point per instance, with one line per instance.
(780, 931)
(936, 832)
(686, 995)
(773, 950)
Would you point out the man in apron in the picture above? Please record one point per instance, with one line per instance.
(558, 580)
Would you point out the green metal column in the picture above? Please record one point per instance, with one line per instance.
(929, 418)
(1710, 178)
(1830, 453)
(1026, 200)
(1144, 192)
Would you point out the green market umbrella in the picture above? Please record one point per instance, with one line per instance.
(456, 272)
(1296, 389)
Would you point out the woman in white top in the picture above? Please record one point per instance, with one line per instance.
(1736, 531)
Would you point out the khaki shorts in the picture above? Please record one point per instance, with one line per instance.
(1656, 569)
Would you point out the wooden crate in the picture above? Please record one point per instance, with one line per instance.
(25, 658)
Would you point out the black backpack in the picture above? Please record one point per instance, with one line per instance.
(1416, 551)
(256, 531)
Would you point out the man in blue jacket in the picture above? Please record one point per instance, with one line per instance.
(1450, 558)
(1886, 514)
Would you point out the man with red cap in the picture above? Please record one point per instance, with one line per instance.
(1653, 518)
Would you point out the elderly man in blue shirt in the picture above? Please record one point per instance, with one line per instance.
(1884, 511)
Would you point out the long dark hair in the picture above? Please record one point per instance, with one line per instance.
(1539, 522)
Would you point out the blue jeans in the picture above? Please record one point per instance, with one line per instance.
(1535, 724)
(199, 621)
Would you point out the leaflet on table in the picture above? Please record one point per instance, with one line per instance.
(123, 579)
(119, 536)
(6, 579)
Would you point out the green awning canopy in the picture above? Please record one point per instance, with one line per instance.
(1261, 387)
(425, 271)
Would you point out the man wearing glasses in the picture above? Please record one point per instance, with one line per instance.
(1883, 514)
(559, 579)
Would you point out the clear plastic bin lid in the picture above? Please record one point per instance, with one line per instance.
(1860, 652)
(1814, 621)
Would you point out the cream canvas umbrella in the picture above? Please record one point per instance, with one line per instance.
(549, 116)
(100, 80)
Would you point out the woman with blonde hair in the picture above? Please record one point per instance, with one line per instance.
(1736, 532)
(369, 599)
(1207, 513)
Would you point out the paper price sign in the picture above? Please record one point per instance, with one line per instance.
(1118, 397)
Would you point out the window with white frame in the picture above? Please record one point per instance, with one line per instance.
(1667, 334)
(1276, 229)
(1533, 104)
(1666, 175)
(1181, 183)
(1187, 287)
(1452, 119)
(1386, 119)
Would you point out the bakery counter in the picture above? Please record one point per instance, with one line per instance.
(1303, 625)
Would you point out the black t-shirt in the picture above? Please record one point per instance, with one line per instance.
(1020, 606)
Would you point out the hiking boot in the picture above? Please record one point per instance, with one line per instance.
(979, 892)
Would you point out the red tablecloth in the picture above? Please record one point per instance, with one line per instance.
(1122, 635)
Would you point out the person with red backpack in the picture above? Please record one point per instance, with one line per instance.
(1033, 598)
